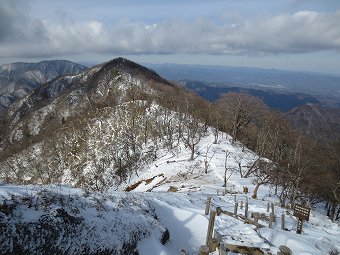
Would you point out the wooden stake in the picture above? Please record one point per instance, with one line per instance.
(210, 226)
(207, 206)
(235, 198)
(283, 221)
(203, 250)
(267, 207)
(235, 208)
(256, 219)
(285, 250)
(223, 250)
(271, 216)
(272, 205)
(246, 210)
(213, 244)
(241, 206)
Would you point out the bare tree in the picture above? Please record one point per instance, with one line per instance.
(239, 110)
(193, 132)
(252, 167)
(226, 168)
(264, 174)
(207, 159)
(216, 120)
(238, 160)
(193, 128)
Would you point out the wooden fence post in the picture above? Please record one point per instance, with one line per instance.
(235, 198)
(285, 250)
(222, 249)
(268, 207)
(283, 221)
(235, 208)
(207, 206)
(210, 226)
(213, 244)
(241, 206)
(271, 216)
(272, 205)
(256, 219)
(246, 210)
(203, 250)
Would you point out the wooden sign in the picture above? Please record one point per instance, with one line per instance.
(301, 212)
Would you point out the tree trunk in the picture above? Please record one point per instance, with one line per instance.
(329, 210)
(225, 178)
(337, 217)
(332, 213)
(256, 189)
(283, 197)
(216, 133)
(251, 168)
(192, 152)
(295, 191)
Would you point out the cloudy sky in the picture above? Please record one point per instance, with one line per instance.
(286, 34)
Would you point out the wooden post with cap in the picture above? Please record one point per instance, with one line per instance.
(210, 226)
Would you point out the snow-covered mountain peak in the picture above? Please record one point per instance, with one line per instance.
(19, 79)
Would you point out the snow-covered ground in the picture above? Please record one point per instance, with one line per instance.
(140, 220)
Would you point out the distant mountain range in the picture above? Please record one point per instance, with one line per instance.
(316, 122)
(324, 88)
(274, 99)
(19, 79)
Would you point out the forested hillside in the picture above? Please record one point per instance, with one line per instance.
(97, 129)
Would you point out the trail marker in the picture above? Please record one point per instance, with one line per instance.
(302, 213)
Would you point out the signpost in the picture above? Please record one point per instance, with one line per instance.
(303, 214)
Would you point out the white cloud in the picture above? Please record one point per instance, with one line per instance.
(300, 32)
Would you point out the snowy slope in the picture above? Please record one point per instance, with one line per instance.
(320, 235)
(174, 169)
(137, 220)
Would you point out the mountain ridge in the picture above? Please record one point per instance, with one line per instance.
(19, 79)
(316, 122)
(64, 98)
